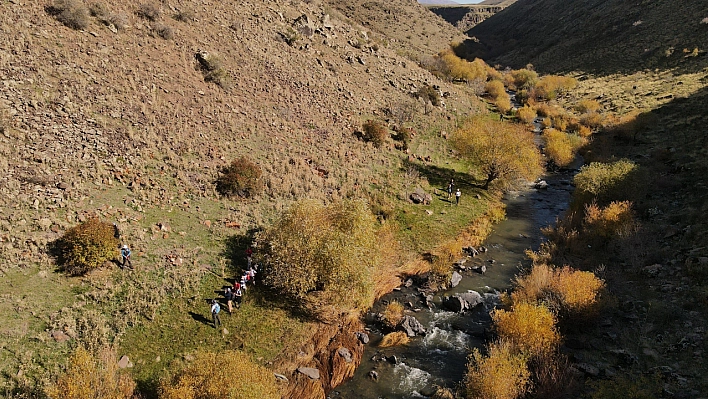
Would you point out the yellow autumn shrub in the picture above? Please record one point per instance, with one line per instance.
(614, 220)
(530, 328)
(394, 339)
(501, 374)
(224, 375)
(90, 376)
(393, 314)
(526, 114)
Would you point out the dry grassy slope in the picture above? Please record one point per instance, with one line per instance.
(97, 110)
(596, 36)
(408, 26)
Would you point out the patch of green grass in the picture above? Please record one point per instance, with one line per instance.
(258, 328)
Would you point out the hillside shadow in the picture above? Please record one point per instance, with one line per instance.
(235, 249)
(558, 36)
(439, 177)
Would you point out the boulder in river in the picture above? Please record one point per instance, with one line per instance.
(362, 337)
(462, 302)
(455, 279)
(412, 326)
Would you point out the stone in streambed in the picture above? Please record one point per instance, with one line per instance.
(462, 302)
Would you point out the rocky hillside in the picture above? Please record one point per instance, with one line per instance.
(595, 36)
(123, 107)
(465, 17)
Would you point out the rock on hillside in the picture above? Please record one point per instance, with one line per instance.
(598, 36)
(119, 109)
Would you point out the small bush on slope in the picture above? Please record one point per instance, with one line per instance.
(87, 246)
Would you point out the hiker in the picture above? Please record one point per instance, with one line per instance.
(116, 231)
(238, 295)
(243, 283)
(249, 256)
(229, 295)
(251, 273)
(215, 309)
(457, 196)
(450, 188)
(237, 286)
(125, 255)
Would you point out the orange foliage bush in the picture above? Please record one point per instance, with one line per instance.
(587, 105)
(227, 375)
(551, 86)
(460, 69)
(495, 89)
(565, 289)
(592, 120)
(242, 179)
(526, 114)
(502, 374)
(89, 376)
(530, 328)
(562, 147)
(614, 220)
(503, 104)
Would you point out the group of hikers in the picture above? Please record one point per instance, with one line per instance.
(235, 293)
(450, 189)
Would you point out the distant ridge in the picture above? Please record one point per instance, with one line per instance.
(438, 2)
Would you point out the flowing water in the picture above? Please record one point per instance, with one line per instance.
(439, 358)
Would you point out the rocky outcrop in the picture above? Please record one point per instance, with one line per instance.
(462, 302)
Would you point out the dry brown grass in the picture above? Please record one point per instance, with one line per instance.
(72, 13)
(393, 314)
(394, 339)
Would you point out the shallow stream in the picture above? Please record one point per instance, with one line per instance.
(440, 357)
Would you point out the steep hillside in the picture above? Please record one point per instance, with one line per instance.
(132, 118)
(465, 17)
(595, 36)
(407, 25)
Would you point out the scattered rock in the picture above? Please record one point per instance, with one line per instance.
(587, 369)
(280, 377)
(124, 362)
(392, 359)
(311, 372)
(59, 336)
(373, 375)
(455, 280)
(541, 185)
(462, 302)
(345, 353)
(62, 186)
(362, 337)
(412, 326)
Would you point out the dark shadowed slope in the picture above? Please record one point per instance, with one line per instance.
(597, 36)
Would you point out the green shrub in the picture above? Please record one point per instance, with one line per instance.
(230, 374)
(322, 257)
(606, 182)
(72, 13)
(429, 93)
(521, 79)
(375, 132)
(501, 151)
(87, 246)
(149, 11)
(242, 179)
